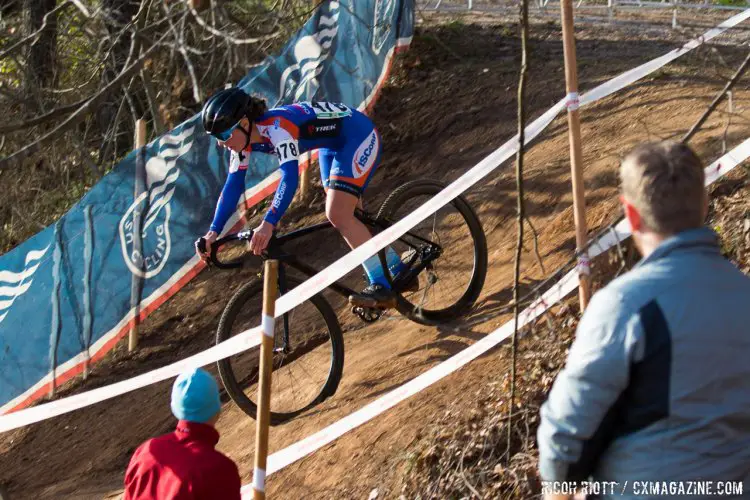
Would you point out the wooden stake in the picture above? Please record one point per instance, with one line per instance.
(135, 293)
(270, 284)
(140, 133)
(576, 154)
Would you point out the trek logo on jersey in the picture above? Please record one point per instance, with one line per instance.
(318, 128)
(365, 155)
(322, 128)
(147, 255)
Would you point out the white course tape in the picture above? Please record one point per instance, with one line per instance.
(291, 454)
(267, 325)
(148, 302)
(567, 284)
(354, 258)
(727, 162)
(237, 344)
(584, 264)
(259, 479)
(572, 101)
(639, 72)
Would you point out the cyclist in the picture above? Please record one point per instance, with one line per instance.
(349, 148)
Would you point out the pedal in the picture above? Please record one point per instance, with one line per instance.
(367, 314)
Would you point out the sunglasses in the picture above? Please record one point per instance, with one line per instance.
(224, 136)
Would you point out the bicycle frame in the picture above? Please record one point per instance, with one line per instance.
(275, 251)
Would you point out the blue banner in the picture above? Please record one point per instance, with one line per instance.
(65, 293)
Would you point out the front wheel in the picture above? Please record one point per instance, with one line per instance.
(308, 357)
(451, 283)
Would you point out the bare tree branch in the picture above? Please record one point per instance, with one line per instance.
(109, 146)
(180, 44)
(77, 87)
(84, 10)
(64, 110)
(524, 21)
(81, 111)
(735, 78)
(536, 246)
(35, 35)
(153, 106)
(55, 113)
(228, 37)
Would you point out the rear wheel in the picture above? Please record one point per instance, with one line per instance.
(451, 283)
(308, 357)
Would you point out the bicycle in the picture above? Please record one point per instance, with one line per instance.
(316, 347)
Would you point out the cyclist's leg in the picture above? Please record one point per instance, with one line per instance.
(346, 180)
(340, 207)
(345, 189)
(352, 169)
(325, 160)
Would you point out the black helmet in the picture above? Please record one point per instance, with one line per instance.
(224, 110)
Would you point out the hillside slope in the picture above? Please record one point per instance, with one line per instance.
(449, 102)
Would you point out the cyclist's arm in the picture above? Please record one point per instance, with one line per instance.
(230, 194)
(286, 148)
(284, 193)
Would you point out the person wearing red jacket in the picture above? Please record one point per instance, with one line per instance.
(184, 464)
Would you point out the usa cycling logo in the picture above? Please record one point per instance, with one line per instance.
(382, 24)
(153, 208)
(311, 52)
(13, 285)
(365, 155)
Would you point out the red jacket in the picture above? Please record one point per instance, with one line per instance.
(182, 465)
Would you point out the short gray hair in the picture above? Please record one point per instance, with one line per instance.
(665, 182)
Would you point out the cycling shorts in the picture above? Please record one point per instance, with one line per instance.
(351, 167)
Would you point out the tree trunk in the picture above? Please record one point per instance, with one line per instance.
(117, 14)
(40, 67)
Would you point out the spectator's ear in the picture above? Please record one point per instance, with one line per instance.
(632, 214)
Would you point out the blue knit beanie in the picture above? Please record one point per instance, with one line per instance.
(195, 396)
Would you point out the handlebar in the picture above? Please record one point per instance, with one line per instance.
(200, 244)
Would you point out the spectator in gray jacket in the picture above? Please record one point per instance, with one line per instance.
(656, 386)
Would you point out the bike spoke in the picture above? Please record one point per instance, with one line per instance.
(452, 245)
(301, 376)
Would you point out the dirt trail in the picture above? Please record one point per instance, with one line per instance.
(449, 103)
